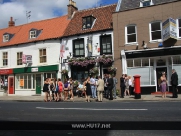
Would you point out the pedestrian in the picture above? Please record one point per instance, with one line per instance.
(114, 86)
(1, 83)
(56, 90)
(126, 85)
(46, 89)
(100, 88)
(66, 89)
(174, 83)
(163, 85)
(130, 85)
(105, 86)
(49, 90)
(93, 86)
(110, 86)
(52, 88)
(122, 85)
(71, 88)
(60, 90)
(87, 83)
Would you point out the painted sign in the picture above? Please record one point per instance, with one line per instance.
(6, 71)
(62, 50)
(23, 58)
(26, 59)
(169, 29)
(34, 69)
(21, 83)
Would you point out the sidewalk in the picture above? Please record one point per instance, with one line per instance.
(80, 99)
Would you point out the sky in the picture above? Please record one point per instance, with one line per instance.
(40, 9)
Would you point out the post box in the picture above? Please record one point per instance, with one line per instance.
(137, 87)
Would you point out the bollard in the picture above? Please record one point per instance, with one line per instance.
(137, 87)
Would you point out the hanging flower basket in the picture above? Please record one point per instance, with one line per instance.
(82, 61)
(94, 71)
(105, 59)
(64, 72)
(112, 70)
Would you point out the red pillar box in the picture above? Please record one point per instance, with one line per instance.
(137, 87)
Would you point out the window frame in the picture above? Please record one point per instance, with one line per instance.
(143, 1)
(42, 56)
(4, 38)
(101, 44)
(19, 58)
(32, 35)
(74, 49)
(126, 35)
(92, 20)
(150, 32)
(178, 28)
(5, 58)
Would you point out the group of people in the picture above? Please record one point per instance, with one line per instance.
(126, 85)
(3, 83)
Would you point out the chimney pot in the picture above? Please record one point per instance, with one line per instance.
(71, 8)
(11, 22)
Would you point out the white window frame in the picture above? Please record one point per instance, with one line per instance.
(4, 58)
(157, 40)
(6, 38)
(178, 28)
(142, 1)
(126, 34)
(19, 64)
(42, 55)
(33, 34)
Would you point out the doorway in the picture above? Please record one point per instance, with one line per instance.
(11, 85)
(38, 83)
(159, 74)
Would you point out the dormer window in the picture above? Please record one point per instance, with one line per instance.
(33, 34)
(6, 38)
(146, 3)
(88, 22)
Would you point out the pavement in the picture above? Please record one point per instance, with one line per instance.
(148, 97)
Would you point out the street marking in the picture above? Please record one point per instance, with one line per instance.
(44, 108)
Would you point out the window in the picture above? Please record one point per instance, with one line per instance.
(176, 59)
(78, 48)
(23, 81)
(106, 44)
(87, 22)
(33, 34)
(19, 58)
(155, 31)
(5, 58)
(179, 28)
(5, 38)
(131, 34)
(145, 3)
(137, 63)
(129, 63)
(42, 54)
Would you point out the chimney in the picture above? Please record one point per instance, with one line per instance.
(71, 8)
(11, 22)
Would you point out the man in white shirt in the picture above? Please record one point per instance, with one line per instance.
(79, 89)
(93, 87)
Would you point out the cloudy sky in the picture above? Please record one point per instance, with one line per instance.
(40, 9)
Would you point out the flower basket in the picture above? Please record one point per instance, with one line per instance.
(75, 84)
(82, 61)
(94, 71)
(5, 89)
(105, 59)
(64, 72)
(112, 70)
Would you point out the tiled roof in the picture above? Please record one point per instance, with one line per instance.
(50, 28)
(103, 21)
(132, 4)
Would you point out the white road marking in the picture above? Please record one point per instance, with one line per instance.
(44, 108)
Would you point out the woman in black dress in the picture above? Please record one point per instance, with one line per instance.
(88, 89)
(46, 89)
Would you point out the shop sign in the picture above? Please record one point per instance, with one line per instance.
(21, 83)
(169, 29)
(6, 71)
(34, 69)
(26, 59)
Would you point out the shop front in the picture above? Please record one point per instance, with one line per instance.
(7, 79)
(150, 64)
(30, 80)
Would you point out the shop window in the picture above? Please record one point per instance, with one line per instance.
(106, 44)
(155, 31)
(137, 62)
(145, 62)
(5, 58)
(19, 58)
(176, 59)
(78, 48)
(179, 27)
(151, 62)
(88, 22)
(129, 63)
(43, 56)
(23, 81)
(131, 34)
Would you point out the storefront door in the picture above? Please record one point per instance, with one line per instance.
(159, 74)
(11, 85)
(38, 84)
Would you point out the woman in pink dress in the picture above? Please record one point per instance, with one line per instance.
(60, 92)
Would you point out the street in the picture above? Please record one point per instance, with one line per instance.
(94, 111)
